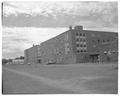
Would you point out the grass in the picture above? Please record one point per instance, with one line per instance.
(98, 78)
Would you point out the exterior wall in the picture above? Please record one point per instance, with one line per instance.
(58, 49)
(109, 52)
(18, 61)
(100, 42)
(89, 46)
(79, 43)
(95, 39)
(31, 55)
(26, 56)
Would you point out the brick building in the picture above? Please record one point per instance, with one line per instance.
(78, 46)
(32, 55)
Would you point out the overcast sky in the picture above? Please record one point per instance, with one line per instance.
(25, 23)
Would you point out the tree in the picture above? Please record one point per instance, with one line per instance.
(21, 57)
(9, 60)
(4, 61)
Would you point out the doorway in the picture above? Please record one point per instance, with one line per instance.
(39, 61)
(94, 58)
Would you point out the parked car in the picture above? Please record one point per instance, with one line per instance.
(51, 62)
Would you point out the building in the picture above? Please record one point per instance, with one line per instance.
(76, 46)
(32, 55)
(17, 61)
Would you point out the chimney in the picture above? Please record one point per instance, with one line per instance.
(70, 27)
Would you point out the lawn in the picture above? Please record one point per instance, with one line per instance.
(95, 78)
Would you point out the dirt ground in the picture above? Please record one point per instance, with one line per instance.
(60, 79)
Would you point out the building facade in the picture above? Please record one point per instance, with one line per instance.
(32, 55)
(77, 46)
(17, 61)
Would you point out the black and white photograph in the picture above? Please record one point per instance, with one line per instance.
(59, 47)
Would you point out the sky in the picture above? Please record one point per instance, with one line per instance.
(28, 23)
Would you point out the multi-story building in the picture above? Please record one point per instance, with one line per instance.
(17, 61)
(32, 55)
(78, 46)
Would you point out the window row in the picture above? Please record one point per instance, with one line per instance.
(110, 52)
(80, 34)
(81, 40)
(81, 45)
(80, 51)
(102, 41)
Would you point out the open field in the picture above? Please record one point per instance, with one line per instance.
(58, 79)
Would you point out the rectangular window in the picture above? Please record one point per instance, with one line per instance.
(77, 39)
(77, 34)
(78, 51)
(77, 45)
(67, 49)
(98, 41)
(83, 34)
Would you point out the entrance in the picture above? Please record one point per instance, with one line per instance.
(94, 58)
(39, 61)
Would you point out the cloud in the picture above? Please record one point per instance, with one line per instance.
(26, 23)
(59, 14)
(71, 7)
(15, 40)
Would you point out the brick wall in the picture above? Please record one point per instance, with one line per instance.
(31, 55)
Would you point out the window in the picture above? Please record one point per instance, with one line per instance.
(81, 40)
(77, 34)
(81, 45)
(85, 50)
(39, 61)
(67, 48)
(77, 45)
(103, 40)
(84, 40)
(84, 45)
(107, 40)
(80, 34)
(83, 34)
(81, 50)
(98, 41)
(78, 51)
(77, 39)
